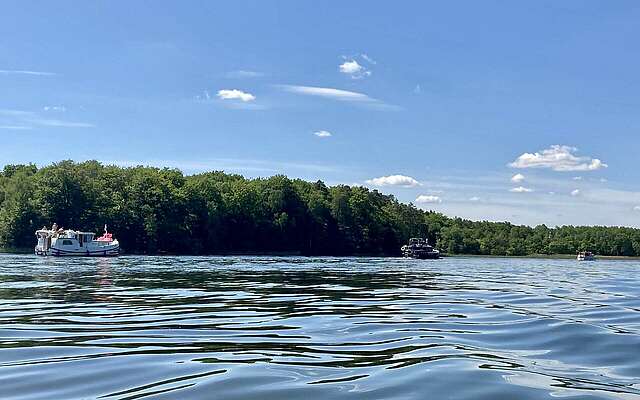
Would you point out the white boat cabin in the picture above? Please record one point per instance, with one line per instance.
(58, 242)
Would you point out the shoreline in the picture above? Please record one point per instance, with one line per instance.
(547, 256)
(297, 254)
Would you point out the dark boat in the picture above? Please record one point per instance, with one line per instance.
(419, 248)
(585, 256)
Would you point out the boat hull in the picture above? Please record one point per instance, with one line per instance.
(422, 255)
(419, 248)
(111, 251)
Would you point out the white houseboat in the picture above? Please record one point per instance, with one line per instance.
(61, 243)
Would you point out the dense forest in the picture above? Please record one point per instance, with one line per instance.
(153, 210)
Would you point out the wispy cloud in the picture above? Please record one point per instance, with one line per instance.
(55, 108)
(30, 119)
(235, 94)
(329, 93)
(558, 158)
(339, 95)
(575, 192)
(394, 180)
(204, 96)
(25, 72)
(243, 74)
(61, 123)
(323, 134)
(242, 105)
(368, 59)
(15, 113)
(16, 127)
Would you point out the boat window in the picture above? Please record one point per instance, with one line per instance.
(67, 243)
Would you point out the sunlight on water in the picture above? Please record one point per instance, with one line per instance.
(274, 328)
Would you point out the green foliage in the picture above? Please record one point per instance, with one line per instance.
(154, 210)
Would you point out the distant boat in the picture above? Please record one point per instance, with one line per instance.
(419, 248)
(63, 243)
(585, 256)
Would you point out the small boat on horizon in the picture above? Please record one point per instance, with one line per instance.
(585, 256)
(419, 248)
(68, 242)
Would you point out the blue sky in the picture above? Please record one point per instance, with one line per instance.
(519, 111)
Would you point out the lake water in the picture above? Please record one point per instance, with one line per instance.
(312, 328)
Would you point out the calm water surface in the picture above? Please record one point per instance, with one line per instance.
(352, 328)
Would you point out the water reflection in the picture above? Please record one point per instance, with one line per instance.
(247, 327)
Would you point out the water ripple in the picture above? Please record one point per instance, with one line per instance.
(275, 327)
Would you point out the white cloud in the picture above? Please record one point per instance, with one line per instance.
(577, 178)
(575, 192)
(350, 67)
(394, 180)
(521, 189)
(322, 134)
(424, 198)
(240, 74)
(235, 94)
(23, 72)
(353, 69)
(636, 208)
(558, 158)
(474, 198)
(517, 178)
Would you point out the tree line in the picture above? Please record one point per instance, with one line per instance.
(153, 210)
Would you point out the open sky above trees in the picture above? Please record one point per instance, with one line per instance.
(491, 110)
